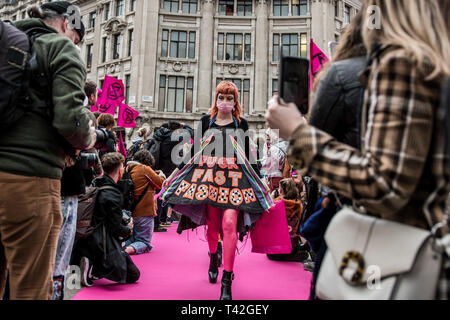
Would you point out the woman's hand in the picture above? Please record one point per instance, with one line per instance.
(170, 178)
(283, 117)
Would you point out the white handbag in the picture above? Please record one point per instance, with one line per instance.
(375, 259)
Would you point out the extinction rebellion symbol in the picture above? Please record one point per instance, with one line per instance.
(115, 91)
(127, 116)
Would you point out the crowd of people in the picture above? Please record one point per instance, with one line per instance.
(373, 140)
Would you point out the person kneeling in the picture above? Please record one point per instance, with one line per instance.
(101, 254)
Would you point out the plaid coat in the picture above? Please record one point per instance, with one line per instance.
(402, 173)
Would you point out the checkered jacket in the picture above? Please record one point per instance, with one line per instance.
(403, 173)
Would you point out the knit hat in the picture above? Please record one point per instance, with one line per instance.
(62, 7)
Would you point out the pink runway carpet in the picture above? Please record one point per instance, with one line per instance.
(177, 269)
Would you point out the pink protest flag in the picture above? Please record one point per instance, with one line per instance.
(121, 146)
(127, 116)
(317, 60)
(113, 93)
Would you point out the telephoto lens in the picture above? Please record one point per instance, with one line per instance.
(88, 160)
(102, 137)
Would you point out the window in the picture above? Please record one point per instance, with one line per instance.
(132, 5)
(189, 93)
(171, 6)
(276, 47)
(107, 11)
(127, 87)
(347, 14)
(303, 45)
(175, 93)
(162, 93)
(24, 14)
(243, 86)
(234, 45)
(178, 44)
(280, 7)
(14, 18)
(220, 46)
(274, 86)
(288, 45)
(248, 47)
(182, 44)
(104, 50)
(165, 43)
(244, 8)
(92, 17)
(192, 45)
(89, 56)
(190, 6)
(337, 8)
(116, 46)
(119, 7)
(299, 7)
(130, 43)
(226, 7)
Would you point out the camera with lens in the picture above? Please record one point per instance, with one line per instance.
(88, 160)
(102, 137)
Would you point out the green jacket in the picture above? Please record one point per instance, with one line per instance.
(37, 144)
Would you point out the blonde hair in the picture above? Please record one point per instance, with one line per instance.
(421, 27)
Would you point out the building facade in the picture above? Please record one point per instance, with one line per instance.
(170, 54)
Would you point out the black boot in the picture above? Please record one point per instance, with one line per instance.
(219, 253)
(213, 271)
(227, 279)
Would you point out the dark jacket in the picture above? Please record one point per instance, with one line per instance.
(37, 145)
(164, 137)
(72, 181)
(338, 98)
(107, 219)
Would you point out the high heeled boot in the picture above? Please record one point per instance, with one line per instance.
(227, 279)
(213, 271)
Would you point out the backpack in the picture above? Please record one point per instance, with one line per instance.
(134, 148)
(85, 211)
(127, 186)
(19, 69)
(154, 147)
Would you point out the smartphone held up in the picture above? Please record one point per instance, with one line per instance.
(294, 82)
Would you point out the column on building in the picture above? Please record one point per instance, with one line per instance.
(148, 37)
(204, 91)
(261, 57)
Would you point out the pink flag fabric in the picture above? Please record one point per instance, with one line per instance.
(127, 116)
(121, 146)
(271, 233)
(317, 60)
(113, 93)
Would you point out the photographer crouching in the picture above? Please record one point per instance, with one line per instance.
(100, 254)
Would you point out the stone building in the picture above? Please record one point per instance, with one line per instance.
(170, 54)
